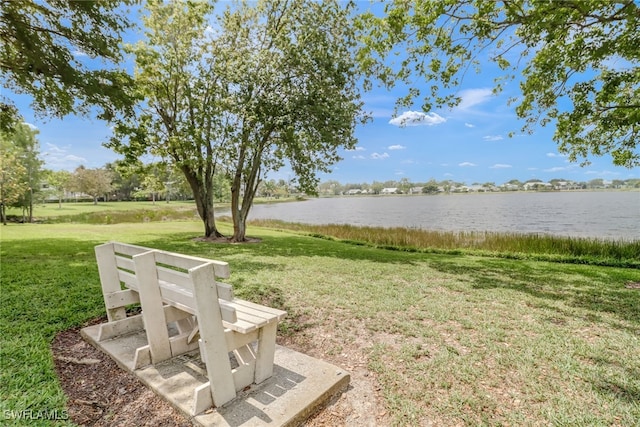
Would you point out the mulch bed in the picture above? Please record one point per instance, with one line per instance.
(100, 393)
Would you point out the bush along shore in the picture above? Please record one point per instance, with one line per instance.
(505, 245)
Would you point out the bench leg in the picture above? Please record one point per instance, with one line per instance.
(109, 280)
(266, 352)
(212, 338)
(155, 322)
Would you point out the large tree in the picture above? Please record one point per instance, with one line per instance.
(271, 83)
(44, 44)
(13, 175)
(578, 61)
(291, 94)
(59, 183)
(92, 182)
(180, 118)
(21, 168)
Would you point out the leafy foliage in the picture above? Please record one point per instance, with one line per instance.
(578, 61)
(20, 168)
(180, 117)
(290, 93)
(43, 46)
(273, 84)
(94, 182)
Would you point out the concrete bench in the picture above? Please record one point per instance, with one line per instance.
(185, 308)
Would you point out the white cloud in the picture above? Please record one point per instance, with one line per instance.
(74, 158)
(358, 148)
(471, 97)
(396, 147)
(417, 118)
(465, 164)
(555, 155)
(378, 156)
(500, 166)
(359, 157)
(492, 138)
(556, 169)
(469, 125)
(79, 53)
(59, 157)
(602, 173)
(31, 126)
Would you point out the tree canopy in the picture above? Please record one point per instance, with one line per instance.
(272, 84)
(43, 47)
(20, 168)
(290, 93)
(576, 62)
(179, 119)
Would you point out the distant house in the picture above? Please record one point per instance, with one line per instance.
(354, 191)
(537, 186)
(510, 187)
(415, 190)
(390, 190)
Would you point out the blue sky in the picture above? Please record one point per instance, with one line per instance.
(469, 143)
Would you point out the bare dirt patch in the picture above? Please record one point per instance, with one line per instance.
(223, 239)
(100, 393)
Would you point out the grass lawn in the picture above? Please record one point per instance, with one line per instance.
(450, 339)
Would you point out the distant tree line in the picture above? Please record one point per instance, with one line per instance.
(405, 186)
(24, 181)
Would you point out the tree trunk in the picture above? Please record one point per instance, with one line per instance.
(240, 209)
(203, 195)
(238, 214)
(30, 206)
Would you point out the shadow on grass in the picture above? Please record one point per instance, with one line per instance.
(595, 289)
(285, 245)
(612, 385)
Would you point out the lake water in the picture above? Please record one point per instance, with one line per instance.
(607, 214)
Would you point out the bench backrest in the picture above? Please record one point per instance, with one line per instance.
(120, 283)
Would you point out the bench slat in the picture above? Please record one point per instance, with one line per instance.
(176, 277)
(127, 249)
(124, 263)
(240, 325)
(121, 298)
(254, 316)
(129, 279)
(261, 310)
(188, 262)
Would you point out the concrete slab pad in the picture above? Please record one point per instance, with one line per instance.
(300, 385)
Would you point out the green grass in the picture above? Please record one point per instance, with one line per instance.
(450, 339)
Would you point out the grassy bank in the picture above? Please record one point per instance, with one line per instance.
(449, 339)
(507, 245)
